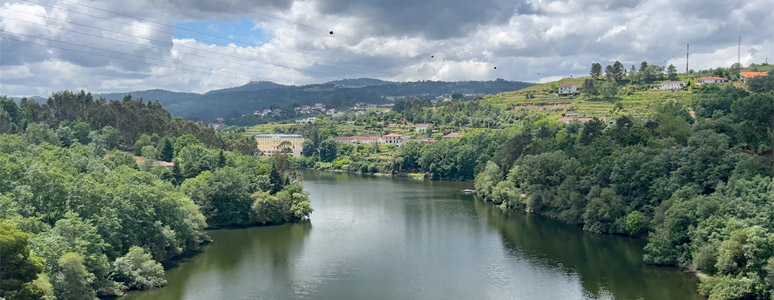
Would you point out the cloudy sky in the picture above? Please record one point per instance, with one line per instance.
(196, 46)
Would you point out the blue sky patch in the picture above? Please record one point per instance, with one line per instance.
(243, 31)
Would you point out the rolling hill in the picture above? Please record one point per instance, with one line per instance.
(237, 101)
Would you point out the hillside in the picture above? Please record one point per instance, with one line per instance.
(237, 101)
(631, 99)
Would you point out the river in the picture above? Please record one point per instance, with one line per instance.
(385, 238)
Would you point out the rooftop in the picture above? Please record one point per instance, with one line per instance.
(753, 74)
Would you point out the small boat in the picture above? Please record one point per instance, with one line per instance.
(468, 191)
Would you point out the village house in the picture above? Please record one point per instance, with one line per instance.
(319, 106)
(393, 138)
(269, 144)
(672, 85)
(711, 79)
(751, 74)
(568, 89)
(311, 120)
(421, 127)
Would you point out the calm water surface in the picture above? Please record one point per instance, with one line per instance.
(383, 238)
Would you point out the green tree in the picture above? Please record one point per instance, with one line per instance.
(167, 151)
(185, 140)
(18, 267)
(635, 223)
(761, 84)
(138, 270)
(609, 89)
(596, 70)
(486, 181)
(589, 87)
(144, 140)
(81, 130)
(672, 72)
(328, 149)
(618, 71)
(71, 280)
(110, 137)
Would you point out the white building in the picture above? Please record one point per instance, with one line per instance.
(672, 85)
(393, 138)
(711, 79)
(279, 143)
(421, 127)
(311, 120)
(568, 89)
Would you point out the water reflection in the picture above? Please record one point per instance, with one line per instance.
(234, 255)
(606, 265)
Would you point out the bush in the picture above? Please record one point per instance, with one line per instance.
(138, 270)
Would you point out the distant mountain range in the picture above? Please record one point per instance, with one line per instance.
(236, 101)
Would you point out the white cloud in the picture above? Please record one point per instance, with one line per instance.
(534, 40)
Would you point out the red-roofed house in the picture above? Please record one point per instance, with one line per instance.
(751, 74)
(393, 138)
(711, 79)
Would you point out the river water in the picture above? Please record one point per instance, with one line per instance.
(385, 238)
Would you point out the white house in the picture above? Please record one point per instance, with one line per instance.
(393, 138)
(311, 120)
(568, 89)
(421, 127)
(711, 79)
(672, 85)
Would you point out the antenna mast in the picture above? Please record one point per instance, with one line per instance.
(739, 52)
(687, 56)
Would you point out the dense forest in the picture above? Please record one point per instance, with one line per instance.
(695, 179)
(94, 194)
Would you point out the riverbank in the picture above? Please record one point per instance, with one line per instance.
(417, 176)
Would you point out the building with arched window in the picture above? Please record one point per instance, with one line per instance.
(269, 144)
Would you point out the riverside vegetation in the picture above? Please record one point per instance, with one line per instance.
(82, 217)
(694, 174)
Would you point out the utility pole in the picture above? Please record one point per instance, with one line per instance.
(739, 52)
(687, 55)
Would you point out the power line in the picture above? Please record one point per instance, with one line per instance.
(314, 59)
(153, 40)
